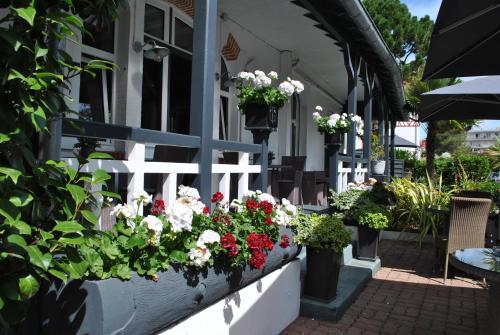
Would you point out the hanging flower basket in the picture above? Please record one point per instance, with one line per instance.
(336, 138)
(260, 117)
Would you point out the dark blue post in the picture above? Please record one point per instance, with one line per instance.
(351, 62)
(369, 82)
(333, 174)
(386, 145)
(393, 147)
(202, 89)
(260, 181)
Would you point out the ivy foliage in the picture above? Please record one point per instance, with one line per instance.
(323, 232)
(47, 211)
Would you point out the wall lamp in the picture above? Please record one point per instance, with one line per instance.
(152, 50)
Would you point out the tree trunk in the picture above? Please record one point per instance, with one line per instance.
(431, 148)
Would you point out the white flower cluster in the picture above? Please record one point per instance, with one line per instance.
(200, 255)
(125, 212)
(142, 197)
(180, 214)
(154, 226)
(259, 196)
(338, 121)
(285, 213)
(259, 80)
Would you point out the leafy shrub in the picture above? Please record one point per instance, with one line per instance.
(412, 201)
(323, 232)
(373, 216)
(376, 149)
(346, 201)
(492, 187)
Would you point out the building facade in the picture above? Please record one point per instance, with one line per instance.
(479, 140)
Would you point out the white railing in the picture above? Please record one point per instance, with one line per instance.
(344, 173)
(136, 166)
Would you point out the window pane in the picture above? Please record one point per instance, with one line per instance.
(151, 94)
(223, 119)
(154, 22)
(224, 76)
(102, 38)
(91, 104)
(180, 95)
(183, 35)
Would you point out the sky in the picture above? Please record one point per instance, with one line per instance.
(421, 8)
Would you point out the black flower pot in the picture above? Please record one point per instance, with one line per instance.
(323, 267)
(367, 243)
(334, 139)
(260, 117)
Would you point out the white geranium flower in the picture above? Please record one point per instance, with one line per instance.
(246, 76)
(288, 207)
(188, 192)
(266, 197)
(123, 211)
(282, 218)
(248, 194)
(357, 119)
(286, 88)
(142, 197)
(273, 75)
(208, 237)
(236, 205)
(199, 256)
(335, 117)
(343, 123)
(331, 123)
(259, 73)
(298, 86)
(446, 155)
(319, 108)
(316, 116)
(155, 226)
(180, 216)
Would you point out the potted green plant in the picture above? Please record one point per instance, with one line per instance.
(270, 157)
(335, 125)
(261, 98)
(371, 218)
(377, 156)
(325, 237)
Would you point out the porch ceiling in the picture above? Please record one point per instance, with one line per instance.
(283, 25)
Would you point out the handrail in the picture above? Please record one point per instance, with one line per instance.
(236, 146)
(99, 130)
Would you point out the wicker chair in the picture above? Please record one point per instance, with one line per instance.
(290, 179)
(468, 218)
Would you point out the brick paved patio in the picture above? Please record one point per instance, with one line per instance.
(407, 298)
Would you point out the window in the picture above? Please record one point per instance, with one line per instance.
(154, 22)
(95, 93)
(101, 38)
(183, 35)
(224, 101)
(294, 150)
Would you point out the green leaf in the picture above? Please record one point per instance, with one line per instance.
(75, 269)
(77, 193)
(100, 176)
(9, 211)
(59, 274)
(135, 241)
(178, 256)
(122, 271)
(28, 286)
(17, 240)
(72, 240)
(27, 13)
(46, 235)
(39, 259)
(99, 155)
(22, 227)
(4, 138)
(38, 119)
(90, 216)
(68, 227)
(2, 303)
(11, 173)
(21, 199)
(40, 52)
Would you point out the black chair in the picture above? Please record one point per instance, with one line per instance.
(290, 178)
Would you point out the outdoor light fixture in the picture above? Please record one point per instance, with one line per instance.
(154, 51)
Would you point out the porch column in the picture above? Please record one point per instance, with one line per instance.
(369, 82)
(352, 64)
(386, 144)
(393, 146)
(202, 90)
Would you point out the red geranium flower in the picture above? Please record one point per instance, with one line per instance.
(227, 220)
(254, 241)
(216, 219)
(228, 242)
(252, 204)
(266, 242)
(257, 260)
(269, 220)
(206, 210)
(285, 241)
(217, 197)
(158, 207)
(266, 206)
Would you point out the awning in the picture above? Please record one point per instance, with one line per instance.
(403, 143)
(475, 99)
(465, 41)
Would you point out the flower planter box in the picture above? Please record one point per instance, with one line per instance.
(334, 139)
(142, 306)
(367, 243)
(261, 117)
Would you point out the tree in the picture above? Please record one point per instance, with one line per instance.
(406, 36)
